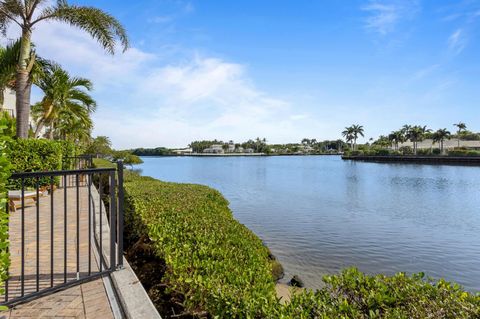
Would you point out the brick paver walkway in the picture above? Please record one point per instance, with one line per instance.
(88, 300)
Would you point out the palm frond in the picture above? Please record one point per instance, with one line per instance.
(100, 25)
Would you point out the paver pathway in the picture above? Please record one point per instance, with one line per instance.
(88, 300)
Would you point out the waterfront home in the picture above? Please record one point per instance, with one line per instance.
(231, 147)
(239, 149)
(249, 150)
(183, 151)
(215, 149)
(9, 102)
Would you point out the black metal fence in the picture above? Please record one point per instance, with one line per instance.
(62, 233)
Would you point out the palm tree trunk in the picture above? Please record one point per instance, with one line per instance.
(2, 96)
(23, 86)
(40, 126)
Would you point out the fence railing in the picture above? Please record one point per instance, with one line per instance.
(63, 233)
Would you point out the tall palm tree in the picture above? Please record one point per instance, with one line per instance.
(460, 127)
(440, 136)
(64, 101)
(348, 133)
(416, 134)
(357, 131)
(27, 14)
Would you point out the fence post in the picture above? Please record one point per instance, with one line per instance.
(121, 197)
(113, 223)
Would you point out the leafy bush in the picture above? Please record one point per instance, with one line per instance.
(69, 150)
(436, 151)
(458, 151)
(4, 174)
(356, 153)
(31, 155)
(353, 294)
(127, 157)
(382, 152)
(424, 151)
(406, 150)
(215, 262)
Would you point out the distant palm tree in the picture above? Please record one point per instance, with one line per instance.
(440, 136)
(460, 127)
(100, 25)
(348, 133)
(357, 131)
(416, 134)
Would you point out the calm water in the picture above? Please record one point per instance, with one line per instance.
(319, 214)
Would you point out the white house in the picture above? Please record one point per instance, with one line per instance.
(182, 151)
(215, 148)
(9, 102)
(231, 147)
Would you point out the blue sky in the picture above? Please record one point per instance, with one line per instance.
(280, 69)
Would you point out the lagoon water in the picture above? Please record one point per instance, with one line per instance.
(319, 214)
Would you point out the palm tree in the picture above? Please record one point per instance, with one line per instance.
(357, 130)
(397, 137)
(416, 134)
(100, 25)
(8, 59)
(65, 101)
(460, 127)
(349, 136)
(441, 135)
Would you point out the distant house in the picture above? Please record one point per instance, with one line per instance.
(249, 150)
(9, 103)
(9, 106)
(231, 147)
(239, 149)
(307, 149)
(182, 151)
(215, 149)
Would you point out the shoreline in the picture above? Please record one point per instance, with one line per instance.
(235, 155)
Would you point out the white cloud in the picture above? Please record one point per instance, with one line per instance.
(457, 41)
(384, 16)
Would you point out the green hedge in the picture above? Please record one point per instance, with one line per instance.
(463, 152)
(4, 174)
(215, 262)
(32, 155)
(353, 294)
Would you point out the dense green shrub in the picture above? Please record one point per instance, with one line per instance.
(382, 152)
(436, 151)
(458, 151)
(406, 150)
(4, 174)
(353, 294)
(356, 153)
(33, 155)
(215, 262)
(424, 152)
(69, 150)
